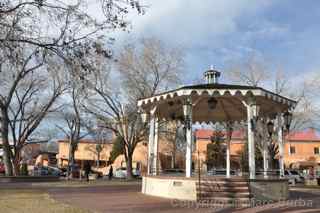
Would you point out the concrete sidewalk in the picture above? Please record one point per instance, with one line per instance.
(128, 199)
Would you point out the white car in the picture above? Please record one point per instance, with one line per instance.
(291, 178)
(122, 172)
(298, 178)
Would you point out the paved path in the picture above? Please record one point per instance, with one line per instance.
(122, 199)
(128, 199)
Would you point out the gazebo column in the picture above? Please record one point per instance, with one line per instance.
(280, 143)
(155, 163)
(252, 112)
(229, 135)
(265, 160)
(151, 142)
(187, 111)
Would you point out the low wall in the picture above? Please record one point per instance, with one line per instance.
(29, 179)
(170, 187)
(269, 189)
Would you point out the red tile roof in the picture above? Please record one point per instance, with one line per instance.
(207, 133)
(306, 135)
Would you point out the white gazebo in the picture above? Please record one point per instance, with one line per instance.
(213, 102)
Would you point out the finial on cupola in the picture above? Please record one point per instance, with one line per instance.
(212, 76)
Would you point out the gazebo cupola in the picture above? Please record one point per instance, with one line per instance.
(212, 76)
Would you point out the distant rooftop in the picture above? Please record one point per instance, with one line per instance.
(305, 135)
(89, 141)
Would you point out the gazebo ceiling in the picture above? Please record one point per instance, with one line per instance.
(229, 105)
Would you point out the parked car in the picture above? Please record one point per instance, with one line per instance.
(298, 178)
(2, 169)
(46, 171)
(291, 178)
(174, 172)
(98, 173)
(122, 172)
(287, 175)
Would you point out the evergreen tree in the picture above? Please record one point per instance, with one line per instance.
(216, 152)
(117, 149)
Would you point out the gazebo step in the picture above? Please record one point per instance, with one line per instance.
(223, 190)
(215, 185)
(207, 195)
(224, 179)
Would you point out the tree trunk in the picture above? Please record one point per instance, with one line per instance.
(16, 164)
(70, 160)
(5, 142)
(129, 166)
(98, 161)
(174, 153)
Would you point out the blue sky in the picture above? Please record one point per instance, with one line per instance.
(284, 33)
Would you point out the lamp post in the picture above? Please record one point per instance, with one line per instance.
(266, 155)
(287, 116)
(284, 122)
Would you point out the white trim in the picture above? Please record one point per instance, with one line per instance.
(217, 92)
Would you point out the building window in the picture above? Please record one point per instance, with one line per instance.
(292, 150)
(316, 150)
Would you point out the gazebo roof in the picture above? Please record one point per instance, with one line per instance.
(229, 99)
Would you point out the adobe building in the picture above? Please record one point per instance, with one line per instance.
(301, 148)
(87, 151)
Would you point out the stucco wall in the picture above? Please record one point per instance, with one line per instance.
(174, 188)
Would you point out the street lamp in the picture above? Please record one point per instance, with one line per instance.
(187, 107)
(287, 120)
(270, 127)
(255, 118)
(144, 116)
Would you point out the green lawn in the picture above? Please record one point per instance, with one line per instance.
(33, 201)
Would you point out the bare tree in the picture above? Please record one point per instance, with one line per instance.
(76, 126)
(252, 72)
(257, 73)
(72, 130)
(26, 98)
(33, 33)
(144, 70)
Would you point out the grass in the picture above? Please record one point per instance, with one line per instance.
(35, 201)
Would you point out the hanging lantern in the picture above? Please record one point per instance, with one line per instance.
(287, 116)
(270, 127)
(144, 117)
(212, 103)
